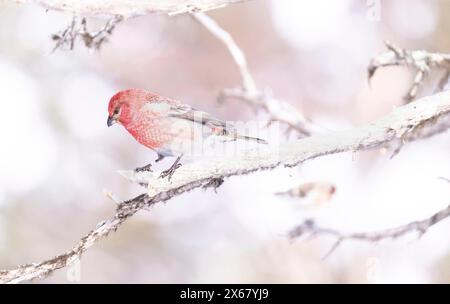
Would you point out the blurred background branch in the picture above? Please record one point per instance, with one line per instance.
(66, 38)
(278, 110)
(421, 61)
(130, 8)
(115, 11)
(320, 191)
(309, 228)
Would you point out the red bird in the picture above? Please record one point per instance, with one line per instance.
(166, 126)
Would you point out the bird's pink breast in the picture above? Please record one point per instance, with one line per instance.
(150, 134)
(158, 131)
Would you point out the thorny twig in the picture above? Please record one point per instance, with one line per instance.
(278, 110)
(422, 61)
(308, 227)
(65, 39)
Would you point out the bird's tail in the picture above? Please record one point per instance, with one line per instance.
(255, 139)
(233, 135)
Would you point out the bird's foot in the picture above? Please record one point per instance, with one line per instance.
(169, 172)
(146, 168)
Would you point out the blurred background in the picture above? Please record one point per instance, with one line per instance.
(57, 154)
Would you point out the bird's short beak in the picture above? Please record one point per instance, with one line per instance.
(111, 121)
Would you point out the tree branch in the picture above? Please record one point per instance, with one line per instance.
(235, 52)
(419, 119)
(278, 110)
(66, 38)
(45, 268)
(422, 61)
(423, 118)
(115, 11)
(130, 8)
(308, 227)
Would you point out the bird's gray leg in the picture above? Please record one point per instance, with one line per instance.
(169, 172)
(160, 158)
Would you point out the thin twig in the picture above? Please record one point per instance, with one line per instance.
(65, 39)
(237, 54)
(422, 61)
(278, 110)
(308, 227)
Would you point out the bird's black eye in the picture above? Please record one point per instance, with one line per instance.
(116, 111)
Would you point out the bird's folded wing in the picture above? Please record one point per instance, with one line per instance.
(186, 112)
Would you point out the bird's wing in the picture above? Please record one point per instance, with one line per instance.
(170, 108)
(189, 113)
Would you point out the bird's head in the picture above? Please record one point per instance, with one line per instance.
(124, 104)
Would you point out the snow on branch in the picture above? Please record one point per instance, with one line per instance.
(130, 8)
(278, 110)
(419, 119)
(308, 227)
(422, 61)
